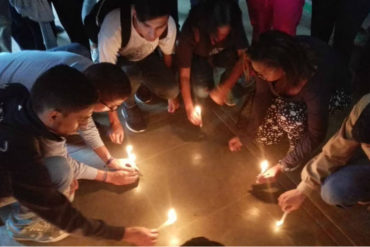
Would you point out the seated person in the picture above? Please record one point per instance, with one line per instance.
(343, 177)
(211, 37)
(297, 80)
(132, 42)
(25, 66)
(60, 103)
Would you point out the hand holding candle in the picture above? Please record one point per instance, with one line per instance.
(171, 218)
(131, 159)
(264, 166)
(282, 220)
(268, 175)
(197, 114)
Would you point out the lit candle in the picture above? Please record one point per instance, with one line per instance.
(131, 158)
(264, 166)
(171, 218)
(198, 112)
(281, 221)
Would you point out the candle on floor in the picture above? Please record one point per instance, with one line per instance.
(171, 218)
(281, 221)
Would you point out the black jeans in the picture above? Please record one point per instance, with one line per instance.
(69, 13)
(344, 17)
(154, 74)
(26, 32)
(202, 79)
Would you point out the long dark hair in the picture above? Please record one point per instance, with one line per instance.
(280, 50)
(208, 15)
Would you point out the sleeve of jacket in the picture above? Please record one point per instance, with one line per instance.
(91, 135)
(317, 124)
(336, 152)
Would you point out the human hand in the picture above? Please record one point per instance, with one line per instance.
(218, 95)
(141, 236)
(121, 177)
(193, 116)
(173, 105)
(269, 176)
(291, 200)
(235, 144)
(116, 133)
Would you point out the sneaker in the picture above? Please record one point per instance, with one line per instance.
(143, 95)
(134, 119)
(38, 231)
(231, 100)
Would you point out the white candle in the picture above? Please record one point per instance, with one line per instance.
(171, 218)
(281, 221)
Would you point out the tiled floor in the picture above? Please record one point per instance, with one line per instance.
(190, 169)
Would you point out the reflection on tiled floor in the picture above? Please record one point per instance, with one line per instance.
(191, 170)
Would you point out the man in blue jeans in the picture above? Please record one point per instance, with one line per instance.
(344, 179)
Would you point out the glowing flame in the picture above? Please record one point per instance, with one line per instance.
(264, 166)
(172, 217)
(129, 149)
(198, 110)
(281, 221)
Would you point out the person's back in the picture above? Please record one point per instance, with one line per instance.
(25, 66)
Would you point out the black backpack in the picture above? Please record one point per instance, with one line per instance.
(95, 18)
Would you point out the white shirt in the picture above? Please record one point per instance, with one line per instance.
(137, 48)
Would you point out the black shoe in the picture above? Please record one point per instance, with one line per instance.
(134, 119)
(143, 95)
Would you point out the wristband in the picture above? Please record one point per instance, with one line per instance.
(109, 161)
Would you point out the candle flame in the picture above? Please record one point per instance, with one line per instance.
(264, 166)
(129, 149)
(279, 223)
(198, 110)
(172, 217)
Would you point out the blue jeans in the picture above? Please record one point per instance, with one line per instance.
(349, 185)
(74, 48)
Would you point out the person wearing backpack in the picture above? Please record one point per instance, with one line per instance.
(141, 39)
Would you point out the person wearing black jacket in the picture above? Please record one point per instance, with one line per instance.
(61, 101)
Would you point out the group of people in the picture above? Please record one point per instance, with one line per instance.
(48, 95)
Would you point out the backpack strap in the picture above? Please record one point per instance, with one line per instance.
(125, 24)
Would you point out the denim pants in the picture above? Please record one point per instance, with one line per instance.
(342, 17)
(348, 185)
(202, 71)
